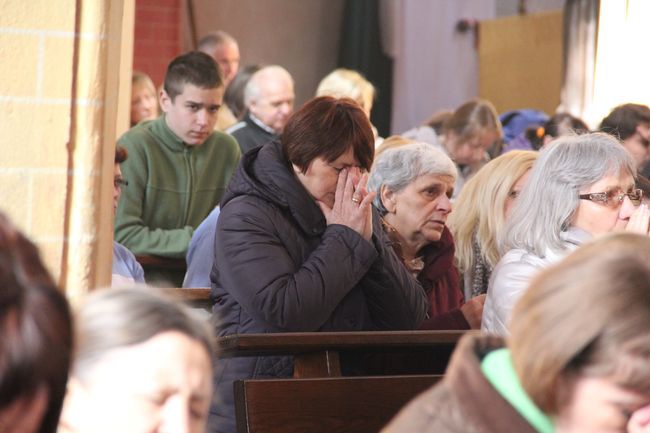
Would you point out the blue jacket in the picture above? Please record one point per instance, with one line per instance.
(200, 254)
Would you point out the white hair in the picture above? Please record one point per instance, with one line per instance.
(398, 167)
(254, 87)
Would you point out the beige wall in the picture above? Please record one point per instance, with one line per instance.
(62, 65)
(520, 61)
(302, 36)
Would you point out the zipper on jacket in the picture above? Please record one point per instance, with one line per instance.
(187, 154)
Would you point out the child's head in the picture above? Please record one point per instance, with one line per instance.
(192, 96)
(194, 68)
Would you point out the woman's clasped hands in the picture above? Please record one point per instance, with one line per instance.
(352, 203)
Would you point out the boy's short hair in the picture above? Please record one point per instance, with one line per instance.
(195, 68)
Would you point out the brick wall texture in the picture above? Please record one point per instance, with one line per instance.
(157, 38)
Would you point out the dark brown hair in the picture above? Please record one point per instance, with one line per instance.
(622, 121)
(194, 68)
(36, 327)
(327, 127)
(559, 124)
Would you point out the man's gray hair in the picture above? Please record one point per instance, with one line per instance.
(396, 168)
(116, 318)
(254, 86)
(548, 202)
(207, 43)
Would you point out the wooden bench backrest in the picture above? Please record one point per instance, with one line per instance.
(326, 405)
(196, 297)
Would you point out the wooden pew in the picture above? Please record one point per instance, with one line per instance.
(341, 405)
(165, 269)
(318, 354)
(147, 262)
(321, 397)
(196, 297)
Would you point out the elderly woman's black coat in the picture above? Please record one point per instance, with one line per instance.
(280, 268)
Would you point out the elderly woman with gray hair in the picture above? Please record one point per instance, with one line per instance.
(580, 187)
(414, 183)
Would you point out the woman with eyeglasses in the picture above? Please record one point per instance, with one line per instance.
(579, 188)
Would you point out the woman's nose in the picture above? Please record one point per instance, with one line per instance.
(627, 208)
(444, 203)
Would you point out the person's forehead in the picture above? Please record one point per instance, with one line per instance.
(432, 179)
(143, 86)
(201, 95)
(226, 49)
(486, 137)
(623, 180)
(276, 85)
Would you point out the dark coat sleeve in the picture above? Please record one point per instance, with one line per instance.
(256, 267)
(395, 298)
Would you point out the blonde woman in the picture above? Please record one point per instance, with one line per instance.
(346, 83)
(480, 214)
(144, 100)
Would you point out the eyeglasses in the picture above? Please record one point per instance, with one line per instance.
(120, 182)
(614, 198)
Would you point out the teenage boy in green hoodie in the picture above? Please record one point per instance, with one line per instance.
(178, 166)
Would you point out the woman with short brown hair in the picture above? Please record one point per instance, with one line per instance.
(298, 248)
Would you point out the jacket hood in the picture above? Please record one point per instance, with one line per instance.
(265, 173)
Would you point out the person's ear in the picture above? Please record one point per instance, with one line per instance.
(388, 199)
(165, 101)
(252, 107)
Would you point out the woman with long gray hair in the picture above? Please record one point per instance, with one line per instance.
(580, 187)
